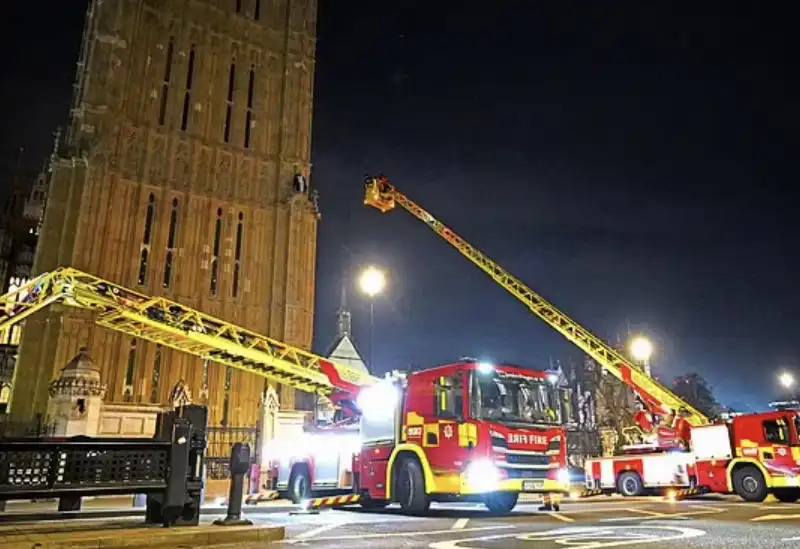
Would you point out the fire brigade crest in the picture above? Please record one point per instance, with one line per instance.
(448, 431)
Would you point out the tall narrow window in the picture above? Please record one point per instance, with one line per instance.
(187, 96)
(237, 264)
(130, 372)
(226, 404)
(215, 257)
(156, 375)
(248, 121)
(257, 10)
(238, 6)
(162, 114)
(229, 102)
(173, 226)
(148, 231)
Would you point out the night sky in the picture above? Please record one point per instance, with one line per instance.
(633, 164)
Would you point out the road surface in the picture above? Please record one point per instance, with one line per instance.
(723, 524)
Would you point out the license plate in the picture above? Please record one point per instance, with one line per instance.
(532, 485)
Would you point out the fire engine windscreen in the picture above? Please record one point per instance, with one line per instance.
(509, 398)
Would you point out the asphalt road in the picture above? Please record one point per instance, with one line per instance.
(708, 523)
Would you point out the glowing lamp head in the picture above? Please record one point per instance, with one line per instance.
(641, 349)
(786, 380)
(372, 281)
(552, 378)
(485, 368)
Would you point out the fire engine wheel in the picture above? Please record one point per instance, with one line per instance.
(630, 484)
(299, 485)
(500, 503)
(748, 483)
(787, 495)
(411, 487)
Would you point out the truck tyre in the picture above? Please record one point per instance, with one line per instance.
(411, 487)
(299, 485)
(630, 484)
(787, 495)
(500, 503)
(749, 484)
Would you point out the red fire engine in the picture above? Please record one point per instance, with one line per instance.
(751, 456)
(467, 431)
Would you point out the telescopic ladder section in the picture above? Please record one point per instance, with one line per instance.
(381, 194)
(171, 324)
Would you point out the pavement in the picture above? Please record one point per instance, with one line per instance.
(713, 522)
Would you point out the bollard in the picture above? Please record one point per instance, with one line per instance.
(239, 466)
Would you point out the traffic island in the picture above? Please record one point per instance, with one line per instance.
(25, 537)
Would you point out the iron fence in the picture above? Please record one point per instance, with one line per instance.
(218, 453)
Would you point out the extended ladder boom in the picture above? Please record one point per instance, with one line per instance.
(171, 324)
(381, 194)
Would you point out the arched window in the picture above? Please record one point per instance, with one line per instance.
(130, 373)
(215, 257)
(148, 233)
(237, 265)
(187, 96)
(162, 113)
(248, 119)
(156, 375)
(173, 227)
(229, 102)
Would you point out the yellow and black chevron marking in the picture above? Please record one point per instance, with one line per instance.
(332, 501)
(269, 495)
(679, 495)
(590, 494)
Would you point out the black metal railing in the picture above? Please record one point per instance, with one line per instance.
(167, 468)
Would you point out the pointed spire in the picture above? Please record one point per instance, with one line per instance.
(343, 315)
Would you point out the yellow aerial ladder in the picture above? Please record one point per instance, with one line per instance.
(160, 320)
(381, 194)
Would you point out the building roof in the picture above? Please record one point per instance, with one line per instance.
(344, 352)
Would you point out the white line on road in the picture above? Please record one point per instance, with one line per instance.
(459, 524)
(561, 517)
(797, 538)
(646, 512)
(321, 529)
(774, 517)
(407, 534)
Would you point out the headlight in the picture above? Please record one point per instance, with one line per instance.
(563, 476)
(483, 476)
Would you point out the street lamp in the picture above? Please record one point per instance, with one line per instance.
(372, 282)
(642, 349)
(786, 380)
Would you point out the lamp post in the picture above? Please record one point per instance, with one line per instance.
(642, 349)
(786, 380)
(371, 282)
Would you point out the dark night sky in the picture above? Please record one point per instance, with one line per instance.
(633, 164)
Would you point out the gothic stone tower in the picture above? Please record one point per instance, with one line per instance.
(183, 174)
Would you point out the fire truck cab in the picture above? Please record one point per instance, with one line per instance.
(752, 456)
(466, 431)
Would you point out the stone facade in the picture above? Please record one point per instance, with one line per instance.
(183, 173)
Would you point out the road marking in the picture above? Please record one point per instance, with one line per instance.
(561, 517)
(668, 516)
(774, 517)
(587, 537)
(646, 512)
(459, 524)
(321, 529)
(796, 538)
(407, 534)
